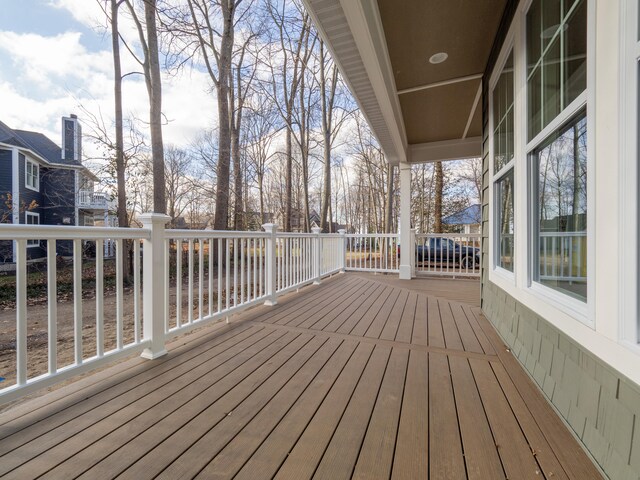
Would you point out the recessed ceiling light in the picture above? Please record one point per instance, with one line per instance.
(438, 58)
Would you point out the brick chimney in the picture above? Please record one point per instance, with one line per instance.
(71, 139)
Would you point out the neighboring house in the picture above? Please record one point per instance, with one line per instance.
(44, 184)
(466, 220)
(547, 93)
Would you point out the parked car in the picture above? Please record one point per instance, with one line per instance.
(446, 250)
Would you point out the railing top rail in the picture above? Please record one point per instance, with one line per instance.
(180, 234)
(69, 232)
(448, 235)
(372, 235)
(563, 234)
(295, 235)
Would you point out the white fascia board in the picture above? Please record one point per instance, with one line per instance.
(364, 21)
(446, 150)
(33, 156)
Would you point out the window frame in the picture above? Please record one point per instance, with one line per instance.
(36, 165)
(32, 243)
(508, 48)
(582, 311)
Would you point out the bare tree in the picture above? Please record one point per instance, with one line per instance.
(151, 66)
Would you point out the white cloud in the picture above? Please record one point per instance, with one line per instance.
(87, 12)
(57, 74)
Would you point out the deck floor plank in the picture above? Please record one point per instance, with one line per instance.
(341, 454)
(376, 455)
(355, 310)
(362, 376)
(310, 447)
(446, 460)
(411, 459)
(280, 413)
(481, 458)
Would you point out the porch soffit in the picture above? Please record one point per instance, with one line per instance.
(383, 49)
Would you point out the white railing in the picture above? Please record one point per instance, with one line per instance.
(563, 256)
(448, 254)
(181, 279)
(90, 199)
(91, 347)
(373, 252)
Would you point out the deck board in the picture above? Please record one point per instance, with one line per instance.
(359, 377)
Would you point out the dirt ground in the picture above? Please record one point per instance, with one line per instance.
(37, 334)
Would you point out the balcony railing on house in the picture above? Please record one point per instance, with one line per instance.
(92, 200)
(181, 280)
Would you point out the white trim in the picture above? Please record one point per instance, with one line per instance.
(474, 107)
(628, 309)
(35, 164)
(365, 24)
(508, 48)
(443, 83)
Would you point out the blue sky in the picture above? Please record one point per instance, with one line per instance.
(56, 60)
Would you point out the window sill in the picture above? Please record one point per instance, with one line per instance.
(28, 187)
(570, 306)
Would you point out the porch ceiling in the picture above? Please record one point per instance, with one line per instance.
(383, 49)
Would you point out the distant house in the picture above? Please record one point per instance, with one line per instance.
(466, 220)
(42, 183)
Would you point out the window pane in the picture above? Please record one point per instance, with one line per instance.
(503, 117)
(556, 58)
(504, 200)
(560, 165)
(575, 54)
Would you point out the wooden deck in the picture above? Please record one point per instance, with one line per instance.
(355, 378)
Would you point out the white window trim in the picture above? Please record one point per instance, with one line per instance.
(27, 161)
(582, 311)
(539, 298)
(497, 274)
(36, 215)
(629, 307)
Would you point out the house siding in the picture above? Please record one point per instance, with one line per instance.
(599, 404)
(27, 196)
(6, 176)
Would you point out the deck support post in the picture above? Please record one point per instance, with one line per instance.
(343, 250)
(406, 241)
(317, 254)
(153, 287)
(270, 266)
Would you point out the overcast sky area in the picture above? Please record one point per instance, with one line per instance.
(56, 60)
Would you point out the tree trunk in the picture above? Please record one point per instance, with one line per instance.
(123, 217)
(155, 110)
(288, 207)
(221, 221)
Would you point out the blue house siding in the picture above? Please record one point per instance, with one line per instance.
(6, 183)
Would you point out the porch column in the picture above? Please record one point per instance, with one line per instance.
(406, 246)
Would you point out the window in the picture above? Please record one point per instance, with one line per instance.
(504, 221)
(32, 219)
(503, 154)
(560, 170)
(32, 175)
(557, 150)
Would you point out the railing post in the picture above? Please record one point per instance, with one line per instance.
(271, 269)
(343, 250)
(317, 255)
(413, 252)
(153, 286)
